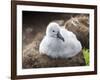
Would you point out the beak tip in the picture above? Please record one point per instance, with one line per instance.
(63, 40)
(60, 36)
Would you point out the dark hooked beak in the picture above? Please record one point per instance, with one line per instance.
(60, 36)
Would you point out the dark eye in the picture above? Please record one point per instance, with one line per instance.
(53, 31)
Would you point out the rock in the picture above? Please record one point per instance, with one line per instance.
(79, 25)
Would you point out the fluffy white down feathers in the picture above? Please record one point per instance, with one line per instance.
(59, 42)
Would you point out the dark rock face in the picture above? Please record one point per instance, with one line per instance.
(34, 27)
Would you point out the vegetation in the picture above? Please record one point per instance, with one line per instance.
(86, 56)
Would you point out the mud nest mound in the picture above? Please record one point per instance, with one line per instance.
(35, 60)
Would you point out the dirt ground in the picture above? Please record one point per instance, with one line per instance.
(34, 27)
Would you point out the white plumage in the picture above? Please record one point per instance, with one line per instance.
(59, 42)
